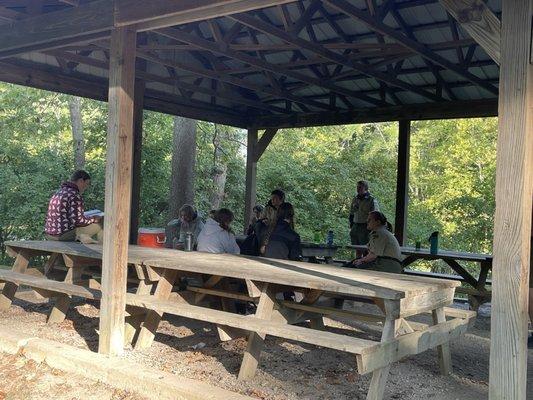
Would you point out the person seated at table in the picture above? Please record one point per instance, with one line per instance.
(281, 240)
(258, 231)
(178, 228)
(65, 219)
(277, 198)
(256, 216)
(384, 252)
(217, 236)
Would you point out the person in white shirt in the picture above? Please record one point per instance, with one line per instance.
(217, 236)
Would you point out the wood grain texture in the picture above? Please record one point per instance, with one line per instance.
(250, 194)
(118, 190)
(479, 21)
(512, 222)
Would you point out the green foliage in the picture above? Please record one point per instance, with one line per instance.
(452, 174)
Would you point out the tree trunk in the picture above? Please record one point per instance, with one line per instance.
(219, 173)
(183, 163)
(74, 105)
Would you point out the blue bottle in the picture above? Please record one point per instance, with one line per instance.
(329, 238)
(434, 243)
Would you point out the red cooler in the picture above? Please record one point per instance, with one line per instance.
(151, 237)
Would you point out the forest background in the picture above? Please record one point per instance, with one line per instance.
(44, 136)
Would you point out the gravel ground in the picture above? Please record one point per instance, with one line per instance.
(288, 370)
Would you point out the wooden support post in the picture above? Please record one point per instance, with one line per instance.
(251, 177)
(138, 104)
(256, 340)
(512, 221)
(402, 181)
(118, 190)
(8, 292)
(445, 358)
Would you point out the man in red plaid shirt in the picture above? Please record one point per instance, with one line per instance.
(65, 220)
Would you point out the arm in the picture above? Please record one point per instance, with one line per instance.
(366, 259)
(230, 245)
(78, 210)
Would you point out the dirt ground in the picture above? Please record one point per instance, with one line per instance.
(288, 370)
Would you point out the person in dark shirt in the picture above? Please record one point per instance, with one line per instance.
(281, 240)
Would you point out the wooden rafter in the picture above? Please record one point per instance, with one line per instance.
(419, 48)
(316, 48)
(274, 68)
(479, 21)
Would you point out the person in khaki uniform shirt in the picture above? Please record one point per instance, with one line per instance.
(362, 204)
(384, 253)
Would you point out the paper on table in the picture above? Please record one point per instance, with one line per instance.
(93, 213)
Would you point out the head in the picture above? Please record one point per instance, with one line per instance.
(376, 220)
(286, 213)
(188, 213)
(269, 215)
(362, 187)
(82, 180)
(224, 217)
(277, 197)
(258, 209)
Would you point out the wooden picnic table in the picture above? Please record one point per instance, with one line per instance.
(311, 252)
(478, 294)
(162, 273)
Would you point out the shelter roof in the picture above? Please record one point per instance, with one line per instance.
(292, 63)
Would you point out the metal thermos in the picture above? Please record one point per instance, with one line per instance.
(434, 243)
(188, 241)
(329, 238)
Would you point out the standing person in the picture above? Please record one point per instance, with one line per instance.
(65, 219)
(178, 228)
(384, 252)
(277, 198)
(281, 240)
(362, 204)
(217, 236)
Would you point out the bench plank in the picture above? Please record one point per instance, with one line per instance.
(319, 338)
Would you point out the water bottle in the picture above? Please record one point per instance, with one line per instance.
(434, 243)
(329, 238)
(188, 241)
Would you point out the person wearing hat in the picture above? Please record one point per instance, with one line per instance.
(362, 204)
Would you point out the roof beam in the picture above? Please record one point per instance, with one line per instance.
(96, 19)
(264, 65)
(438, 110)
(328, 54)
(480, 23)
(417, 47)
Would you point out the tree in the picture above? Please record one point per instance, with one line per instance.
(220, 171)
(74, 105)
(183, 165)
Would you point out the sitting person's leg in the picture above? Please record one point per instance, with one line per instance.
(69, 236)
(86, 234)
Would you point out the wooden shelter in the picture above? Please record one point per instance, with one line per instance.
(263, 65)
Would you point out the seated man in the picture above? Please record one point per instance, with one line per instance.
(65, 219)
(384, 253)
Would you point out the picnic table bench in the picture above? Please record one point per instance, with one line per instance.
(311, 252)
(159, 273)
(478, 293)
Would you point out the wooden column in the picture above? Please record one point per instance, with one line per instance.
(251, 177)
(402, 181)
(118, 190)
(138, 105)
(512, 222)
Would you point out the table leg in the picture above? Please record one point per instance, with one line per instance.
(62, 304)
(256, 340)
(8, 292)
(379, 376)
(445, 359)
(136, 316)
(151, 322)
